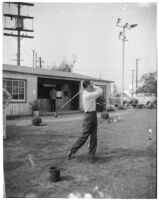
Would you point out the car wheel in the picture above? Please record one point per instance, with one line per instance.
(125, 103)
(149, 103)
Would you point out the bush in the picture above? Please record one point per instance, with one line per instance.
(105, 115)
(111, 108)
(36, 121)
(139, 106)
(121, 108)
(34, 105)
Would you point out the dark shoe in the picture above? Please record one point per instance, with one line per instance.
(91, 160)
(69, 155)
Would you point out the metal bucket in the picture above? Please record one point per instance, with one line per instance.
(54, 174)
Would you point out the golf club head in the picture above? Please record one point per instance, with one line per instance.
(55, 115)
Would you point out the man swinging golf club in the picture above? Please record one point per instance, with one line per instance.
(90, 94)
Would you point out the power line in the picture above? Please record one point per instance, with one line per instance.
(28, 45)
(35, 56)
(27, 52)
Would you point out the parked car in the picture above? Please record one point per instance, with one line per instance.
(146, 98)
(128, 100)
(116, 99)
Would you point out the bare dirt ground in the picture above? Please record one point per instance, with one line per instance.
(125, 164)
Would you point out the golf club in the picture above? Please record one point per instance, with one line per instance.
(67, 103)
(103, 104)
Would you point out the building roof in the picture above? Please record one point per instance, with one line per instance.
(50, 73)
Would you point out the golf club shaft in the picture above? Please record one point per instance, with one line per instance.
(69, 101)
(101, 104)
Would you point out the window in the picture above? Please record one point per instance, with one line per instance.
(16, 88)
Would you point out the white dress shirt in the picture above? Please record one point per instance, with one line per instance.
(89, 99)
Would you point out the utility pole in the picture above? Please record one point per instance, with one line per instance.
(18, 54)
(137, 60)
(36, 60)
(123, 38)
(33, 58)
(100, 76)
(40, 62)
(132, 82)
(19, 26)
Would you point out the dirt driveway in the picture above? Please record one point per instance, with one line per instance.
(125, 166)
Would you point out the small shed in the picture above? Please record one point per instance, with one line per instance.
(27, 84)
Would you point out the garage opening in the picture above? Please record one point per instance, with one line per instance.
(66, 89)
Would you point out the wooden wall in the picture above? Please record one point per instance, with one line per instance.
(23, 108)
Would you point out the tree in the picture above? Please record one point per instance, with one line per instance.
(149, 83)
(65, 66)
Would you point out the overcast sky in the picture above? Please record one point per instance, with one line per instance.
(88, 31)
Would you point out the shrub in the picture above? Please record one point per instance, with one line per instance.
(34, 105)
(110, 108)
(105, 115)
(139, 106)
(36, 121)
(121, 108)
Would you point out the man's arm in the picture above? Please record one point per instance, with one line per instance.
(97, 91)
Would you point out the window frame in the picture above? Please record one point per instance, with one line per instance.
(25, 89)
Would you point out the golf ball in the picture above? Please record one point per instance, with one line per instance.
(150, 130)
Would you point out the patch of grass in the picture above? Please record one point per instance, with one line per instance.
(125, 160)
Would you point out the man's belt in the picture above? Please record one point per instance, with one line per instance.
(90, 111)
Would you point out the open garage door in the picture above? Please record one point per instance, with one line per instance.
(66, 89)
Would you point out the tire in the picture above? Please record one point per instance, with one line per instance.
(125, 103)
(148, 103)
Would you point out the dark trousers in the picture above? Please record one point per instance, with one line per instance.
(89, 129)
(53, 105)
